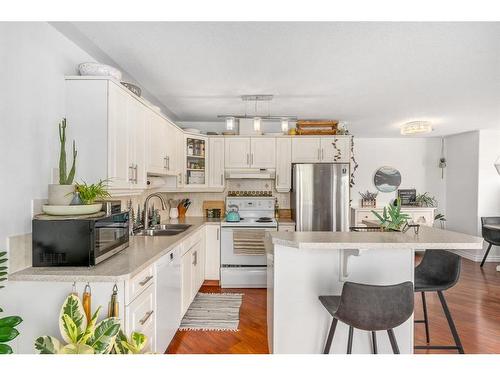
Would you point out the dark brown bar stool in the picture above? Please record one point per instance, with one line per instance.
(491, 236)
(370, 308)
(438, 271)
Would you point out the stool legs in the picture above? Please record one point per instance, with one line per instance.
(453, 329)
(374, 342)
(426, 319)
(393, 341)
(349, 340)
(330, 336)
(486, 254)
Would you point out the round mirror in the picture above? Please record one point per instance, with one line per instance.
(387, 179)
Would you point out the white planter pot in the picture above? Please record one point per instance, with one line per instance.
(61, 195)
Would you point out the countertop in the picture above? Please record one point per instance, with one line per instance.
(428, 238)
(142, 252)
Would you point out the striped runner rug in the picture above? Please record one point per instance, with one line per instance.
(213, 312)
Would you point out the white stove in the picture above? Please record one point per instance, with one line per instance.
(243, 255)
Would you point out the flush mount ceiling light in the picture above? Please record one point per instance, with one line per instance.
(416, 127)
(256, 116)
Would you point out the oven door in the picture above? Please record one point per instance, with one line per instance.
(243, 246)
(111, 235)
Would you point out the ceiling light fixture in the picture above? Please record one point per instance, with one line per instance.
(255, 115)
(229, 123)
(416, 127)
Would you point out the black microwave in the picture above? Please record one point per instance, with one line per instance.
(79, 242)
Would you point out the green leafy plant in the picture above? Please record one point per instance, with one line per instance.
(369, 196)
(90, 193)
(133, 345)
(8, 332)
(64, 177)
(439, 217)
(392, 218)
(88, 337)
(425, 200)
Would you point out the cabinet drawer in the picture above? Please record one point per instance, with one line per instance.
(192, 240)
(139, 283)
(286, 228)
(140, 315)
(364, 215)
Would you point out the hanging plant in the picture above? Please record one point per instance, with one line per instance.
(354, 164)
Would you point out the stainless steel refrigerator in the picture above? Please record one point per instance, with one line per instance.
(320, 197)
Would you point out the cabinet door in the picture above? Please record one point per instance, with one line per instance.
(181, 157)
(136, 122)
(263, 153)
(171, 149)
(140, 316)
(119, 169)
(283, 164)
(335, 149)
(186, 286)
(306, 150)
(157, 135)
(212, 252)
(237, 152)
(216, 165)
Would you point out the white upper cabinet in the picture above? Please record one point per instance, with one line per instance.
(237, 152)
(335, 149)
(263, 154)
(157, 136)
(321, 149)
(216, 165)
(172, 160)
(246, 152)
(195, 161)
(283, 164)
(306, 150)
(136, 126)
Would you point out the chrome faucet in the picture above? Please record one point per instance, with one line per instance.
(146, 204)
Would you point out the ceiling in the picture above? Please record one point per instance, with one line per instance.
(375, 76)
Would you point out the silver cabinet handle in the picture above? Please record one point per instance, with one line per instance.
(251, 158)
(218, 233)
(248, 159)
(165, 164)
(135, 175)
(221, 179)
(168, 162)
(322, 153)
(146, 317)
(195, 260)
(145, 281)
(131, 173)
(277, 179)
(319, 154)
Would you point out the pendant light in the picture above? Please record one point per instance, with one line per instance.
(284, 125)
(229, 123)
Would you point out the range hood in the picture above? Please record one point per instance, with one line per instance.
(251, 173)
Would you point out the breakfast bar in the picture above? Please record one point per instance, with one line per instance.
(304, 265)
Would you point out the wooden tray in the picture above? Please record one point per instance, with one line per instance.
(317, 127)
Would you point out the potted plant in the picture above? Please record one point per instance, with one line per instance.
(61, 194)
(8, 332)
(392, 218)
(88, 194)
(425, 200)
(368, 199)
(86, 336)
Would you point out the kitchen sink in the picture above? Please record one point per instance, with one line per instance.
(163, 230)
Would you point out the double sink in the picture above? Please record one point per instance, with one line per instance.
(163, 230)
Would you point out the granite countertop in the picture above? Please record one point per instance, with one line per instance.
(428, 238)
(142, 252)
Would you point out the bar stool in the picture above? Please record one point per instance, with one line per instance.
(438, 271)
(370, 308)
(491, 236)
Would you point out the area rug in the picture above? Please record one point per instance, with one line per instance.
(213, 312)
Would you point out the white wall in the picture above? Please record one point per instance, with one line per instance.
(35, 57)
(416, 159)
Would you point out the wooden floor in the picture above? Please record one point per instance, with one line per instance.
(474, 304)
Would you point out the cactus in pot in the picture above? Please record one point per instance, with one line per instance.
(62, 193)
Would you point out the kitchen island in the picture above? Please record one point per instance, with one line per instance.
(305, 265)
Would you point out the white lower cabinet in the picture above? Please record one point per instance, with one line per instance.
(286, 227)
(192, 268)
(140, 316)
(212, 252)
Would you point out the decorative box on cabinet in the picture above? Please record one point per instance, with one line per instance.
(420, 215)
